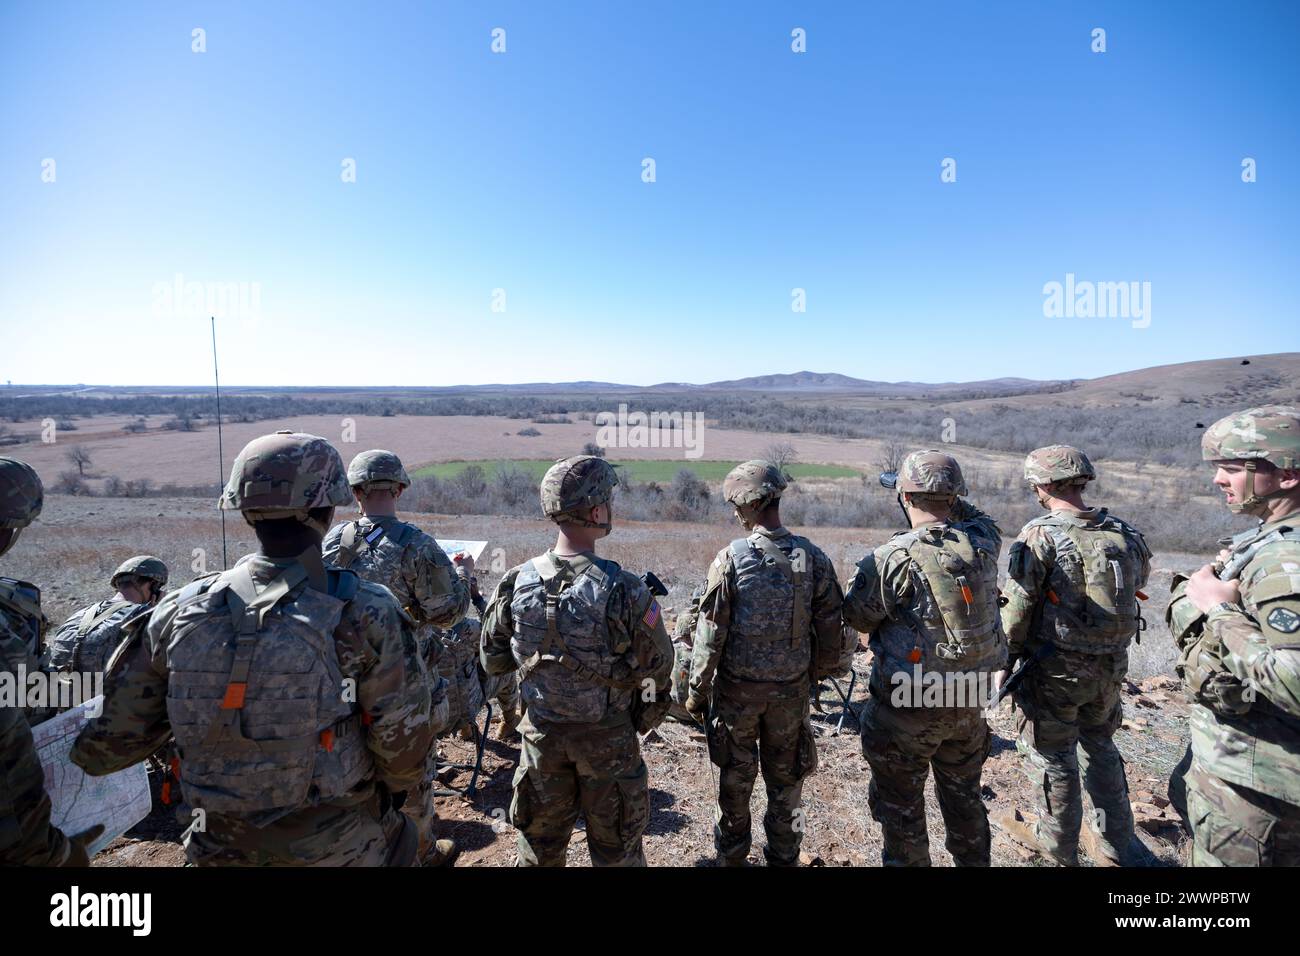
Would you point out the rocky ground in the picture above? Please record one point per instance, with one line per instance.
(840, 831)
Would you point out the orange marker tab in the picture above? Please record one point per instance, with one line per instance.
(914, 655)
(1141, 596)
(234, 699)
(327, 739)
(1051, 596)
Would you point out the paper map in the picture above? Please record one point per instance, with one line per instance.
(119, 800)
(472, 548)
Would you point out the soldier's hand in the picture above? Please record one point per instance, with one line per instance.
(999, 679)
(695, 706)
(465, 562)
(78, 844)
(1204, 589)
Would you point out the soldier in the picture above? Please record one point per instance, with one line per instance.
(469, 688)
(296, 695)
(928, 597)
(87, 638)
(771, 602)
(1073, 585)
(385, 550)
(594, 664)
(26, 836)
(1237, 625)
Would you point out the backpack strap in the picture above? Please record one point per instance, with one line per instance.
(553, 648)
(90, 620)
(352, 542)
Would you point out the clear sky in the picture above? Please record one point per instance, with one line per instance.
(522, 171)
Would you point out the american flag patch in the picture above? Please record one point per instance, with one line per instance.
(652, 615)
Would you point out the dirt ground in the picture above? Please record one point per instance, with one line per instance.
(76, 543)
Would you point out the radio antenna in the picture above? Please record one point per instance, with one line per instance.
(221, 452)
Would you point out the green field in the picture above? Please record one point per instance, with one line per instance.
(661, 471)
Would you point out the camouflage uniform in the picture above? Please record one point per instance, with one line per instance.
(769, 600)
(468, 688)
(220, 660)
(1240, 666)
(594, 665)
(84, 642)
(1073, 582)
(412, 565)
(929, 600)
(26, 836)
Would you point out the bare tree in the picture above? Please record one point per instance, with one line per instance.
(892, 455)
(782, 454)
(591, 448)
(77, 455)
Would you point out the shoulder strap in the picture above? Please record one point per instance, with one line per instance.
(352, 542)
(90, 620)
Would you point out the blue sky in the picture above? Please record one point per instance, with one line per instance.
(522, 171)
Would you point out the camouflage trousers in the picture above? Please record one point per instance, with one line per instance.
(1237, 826)
(1070, 708)
(594, 770)
(360, 835)
(902, 744)
(777, 736)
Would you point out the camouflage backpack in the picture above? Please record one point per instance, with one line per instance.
(1095, 582)
(769, 639)
(571, 668)
(86, 640)
(262, 722)
(954, 624)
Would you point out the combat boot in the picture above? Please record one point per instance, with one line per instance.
(1022, 832)
(1095, 847)
(442, 853)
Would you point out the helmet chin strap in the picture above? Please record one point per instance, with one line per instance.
(1252, 502)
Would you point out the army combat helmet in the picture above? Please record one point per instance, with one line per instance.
(576, 484)
(142, 566)
(284, 476)
(752, 482)
(931, 472)
(21, 498)
(377, 470)
(1053, 463)
(1269, 432)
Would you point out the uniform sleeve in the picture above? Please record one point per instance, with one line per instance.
(330, 546)
(879, 584)
(377, 647)
(1264, 652)
(1032, 558)
(712, 623)
(134, 722)
(26, 836)
(827, 602)
(439, 591)
(654, 648)
(498, 628)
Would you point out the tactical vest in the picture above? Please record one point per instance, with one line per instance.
(952, 624)
(769, 638)
(255, 695)
(22, 601)
(1095, 582)
(571, 668)
(86, 640)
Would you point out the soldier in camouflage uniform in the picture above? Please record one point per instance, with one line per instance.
(594, 664)
(86, 639)
(1072, 591)
(383, 549)
(469, 688)
(26, 836)
(929, 599)
(1237, 625)
(771, 600)
(295, 692)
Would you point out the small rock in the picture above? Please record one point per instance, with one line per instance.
(1145, 701)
